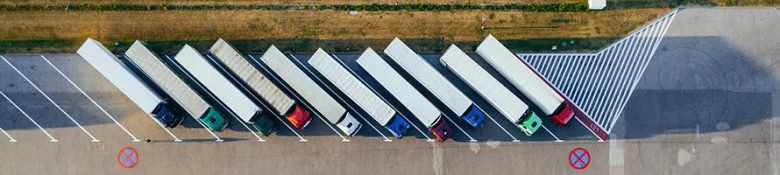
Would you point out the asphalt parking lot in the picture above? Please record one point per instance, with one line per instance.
(707, 104)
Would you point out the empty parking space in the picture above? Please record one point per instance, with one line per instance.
(65, 101)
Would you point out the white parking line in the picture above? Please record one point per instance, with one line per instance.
(494, 121)
(193, 115)
(344, 139)
(226, 108)
(176, 139)
(50, 100)
(548, 131)
(471, 139)
(383, 98)
(28, 117)
(90, 99)
(278, 116)
(9, 136)
(345, 102)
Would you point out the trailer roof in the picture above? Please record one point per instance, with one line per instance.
(239, 65)
(118, 74)
(398, 87)
(431, 79)
(208, 75)
(484, 84)
(303, 84)
(352, 87)
(519, 74)
(164, 76)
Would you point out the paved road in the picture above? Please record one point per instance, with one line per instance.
(706, 105)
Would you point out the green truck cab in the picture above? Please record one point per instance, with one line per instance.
(214, 120)
(530, 124)
(264, 124)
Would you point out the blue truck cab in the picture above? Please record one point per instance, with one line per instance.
(397, 126)
(164, 114)
(473, 116)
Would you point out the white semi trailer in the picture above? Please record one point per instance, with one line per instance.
(432, 80)
(420, 107)
(205, 73)
(507, 103)
(128, 83)
(260, 84)
(359, 93)
(527, 80)
(321, 101)
(162, 75)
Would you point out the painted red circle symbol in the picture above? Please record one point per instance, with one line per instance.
(127, 157)
(579, 158)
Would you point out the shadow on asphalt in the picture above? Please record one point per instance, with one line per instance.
(695, 66)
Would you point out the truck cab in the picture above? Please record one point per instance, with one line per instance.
(163, 114)
(349, 125)
(530, 124)
(263, 123)
(442, 130)
(397, 126)
(214, 120)
(473, 116)
(299, 117)
(563, 115)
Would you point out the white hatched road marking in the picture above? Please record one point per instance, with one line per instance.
(90, 99)
(345, 102)
(50, 100)
(613, 72)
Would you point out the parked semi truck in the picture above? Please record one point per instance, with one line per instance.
(432, 80)
(128, 83)
(165, 78)
(260, 84)
(507, 103)
(223, 90)
(359, 93)
(420, 107)
(527, 80)
(310, 91)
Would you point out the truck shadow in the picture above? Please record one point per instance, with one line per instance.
(691, 82)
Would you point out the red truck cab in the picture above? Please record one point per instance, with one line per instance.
(441, 130)
(299, 117)
(563, 115)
